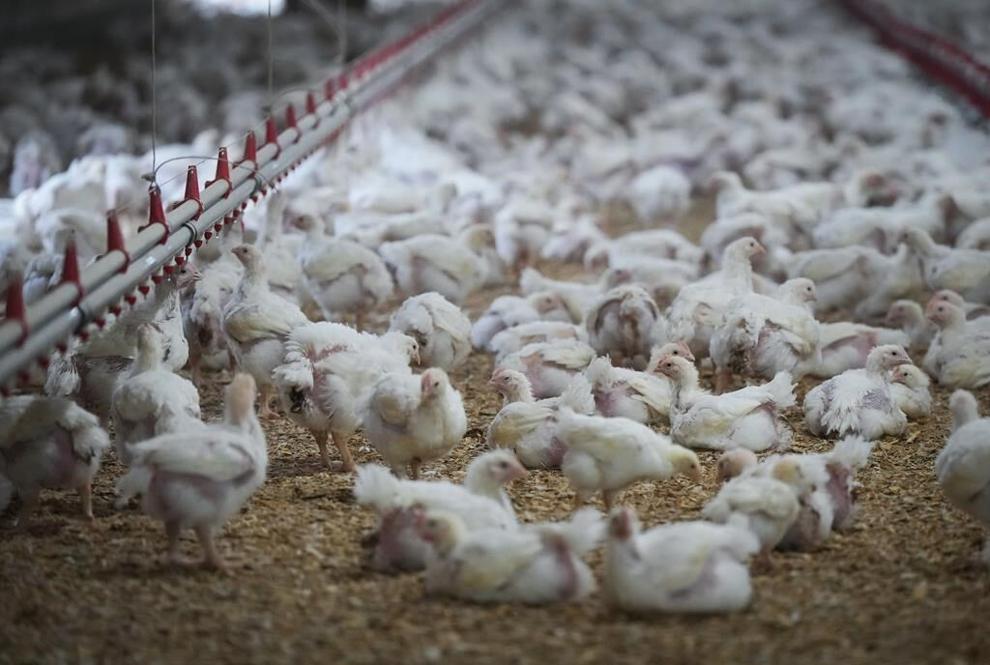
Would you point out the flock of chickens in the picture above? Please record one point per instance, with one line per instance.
(856, 216)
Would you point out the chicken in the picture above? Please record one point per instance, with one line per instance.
(794, 212)
(682, 567)
(625, 393)
(256, 324)
(625, 323)
(538, 565)
(341, 276)
(699, 308)
(766, 506)
(749, 418)
(656, 243)
(49, 442)
(202, 316)
(414, 419)
(326, 373)
(152, 400)
(522, 228)
(661, 193)
(973, 310)
(965, 271)
(529, 427)
(959, 355)
(480, 503)
(440, 328)
(280, 250)
(509, 311)
(761, 336)
(609, 454)
(909, 386)
(963, 466)
(910, 318)
(846, 345)
(426, 263)
(858, 401)
(201, 478)
(900, 277)
(843, 277)
(577, 297)
(549, 366)
(512, 339)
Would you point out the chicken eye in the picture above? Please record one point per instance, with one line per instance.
(503, 465)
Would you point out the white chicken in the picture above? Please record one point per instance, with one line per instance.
(700, 307)
(910, 318)
(625, 323)
(549, 366)
(766, 506)
(199, 479)
(959, 355)
(441, 329)
(661, 193)
(761, 335)
(341, 276)
(426, 263)
(256, 324)
(151, 400)
(537, 565)
(858, 401)
(326, 373)
(529, 427)
(963, 466)
(509, 311)
(750, 417)
(624, 393)
(846, 345)
(683, 567)
(411, 420)
(965, 271)
(610, 454)
(909, 386)
(512, 339)
(480, 502)
(49, 442)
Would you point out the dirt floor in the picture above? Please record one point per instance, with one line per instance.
(903, 586)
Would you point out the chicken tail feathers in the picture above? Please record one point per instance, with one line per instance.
(782, 390)
(580, 534)
(578, 396)
(376, 486)
(852, 452)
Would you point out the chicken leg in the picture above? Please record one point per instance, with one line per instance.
(211, 558)
(321, 440)
(265, 409)
(172, 535)
(86, 500)
(346, 460)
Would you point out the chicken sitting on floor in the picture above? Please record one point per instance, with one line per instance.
(480, 502)
(534, 565)
(49, 442)
(682, 567)
(414, 419)
(963, 466)
(199, 479)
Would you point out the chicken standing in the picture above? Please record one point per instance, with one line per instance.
(256, 323)
(610, 454)
(414, 419)
(49, 442)
(199, 479)
(151, 400)
(441, 329)
(625, 323)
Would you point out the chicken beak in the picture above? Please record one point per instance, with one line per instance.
(760, 250)
(518, 472)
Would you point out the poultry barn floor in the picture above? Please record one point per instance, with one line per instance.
(903, 586)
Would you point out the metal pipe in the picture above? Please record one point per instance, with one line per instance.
(56, 316)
